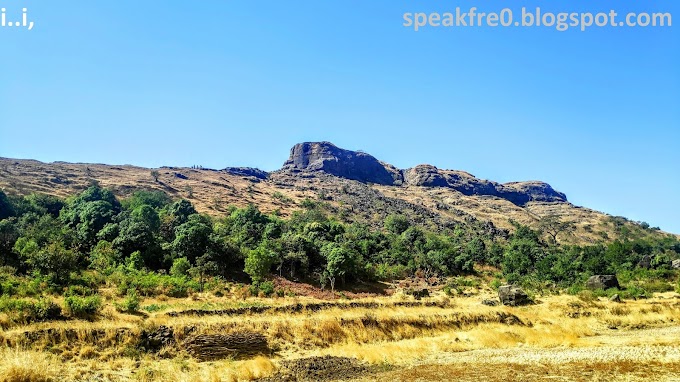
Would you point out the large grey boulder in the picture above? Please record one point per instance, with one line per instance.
(602, 282)
(512, 296)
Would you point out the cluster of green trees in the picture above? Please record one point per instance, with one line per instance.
(148, 240)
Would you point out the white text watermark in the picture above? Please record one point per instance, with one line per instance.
(535, 17)
(18, 19)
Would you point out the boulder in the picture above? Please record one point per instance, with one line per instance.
(646, 262)
(155, 340)
(602, 282)
(675, 264)
(489, 302)
(512, 296)
(615, 298)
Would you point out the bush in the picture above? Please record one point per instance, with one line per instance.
(153, 284)
(27, 311)
(656, 286)
(180, 267)
(46, 310)
(267, 288)
(83, 307)
(131, 302)
(79, 290)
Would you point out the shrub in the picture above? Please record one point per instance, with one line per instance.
(27, 311)
(267, 288)
(180, 267)
(46, 310)
(656, 286)
(83, 307)
(131, 302)
(79, 290)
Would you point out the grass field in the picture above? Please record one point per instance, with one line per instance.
(394, 338)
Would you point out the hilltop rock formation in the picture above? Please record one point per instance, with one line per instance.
(326, 157)
(247, 171)
(356, 165)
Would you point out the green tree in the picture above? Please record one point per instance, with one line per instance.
(192, 238)
(9, 234)
(46, 203)
(53, 260)
(6, 208)
(154, 199)
(338, 263)
(259, 262)
(104, 257)
(180, 267)
(397, 224)
(553, 225)
(89, 212)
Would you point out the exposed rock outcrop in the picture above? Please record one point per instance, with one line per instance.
(356, 165)
(518, 193)
(247, 171)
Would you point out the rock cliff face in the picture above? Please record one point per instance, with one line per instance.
(326, 157)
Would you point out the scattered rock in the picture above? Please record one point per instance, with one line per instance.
(490, 302)
(326, 368)
(418, 293)
(602, 282)
(511, 295)
(157, 339)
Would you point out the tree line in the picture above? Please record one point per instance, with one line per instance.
(147, 240)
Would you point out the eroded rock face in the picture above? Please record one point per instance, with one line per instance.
(356, 165)
(247, 171)
(518, 193)
(326, 157)
(533, 191)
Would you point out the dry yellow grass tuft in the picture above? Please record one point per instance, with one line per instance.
(27, 366)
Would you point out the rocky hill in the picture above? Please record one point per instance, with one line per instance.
(328, 158)
(352, 185)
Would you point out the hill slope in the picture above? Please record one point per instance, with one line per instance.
(354, 186)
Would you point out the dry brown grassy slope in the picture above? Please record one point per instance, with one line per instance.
(212, 192)
(414, 341)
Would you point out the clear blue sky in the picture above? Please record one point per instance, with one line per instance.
(227, 83)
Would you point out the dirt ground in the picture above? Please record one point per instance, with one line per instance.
(634, 355)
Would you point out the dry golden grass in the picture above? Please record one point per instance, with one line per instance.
(559, 330)
(27, 366)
